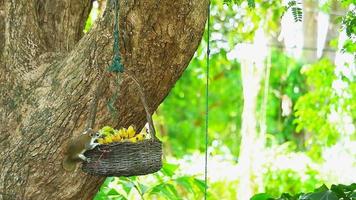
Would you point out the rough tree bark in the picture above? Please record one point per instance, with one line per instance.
(49, 72)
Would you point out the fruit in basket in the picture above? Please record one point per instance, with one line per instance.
(101, 141)
(123, 133)
(109, 135)
(116, 138)
(108, 140)
(107, 130)
(140, 136)
(131, 131)
(133, 140)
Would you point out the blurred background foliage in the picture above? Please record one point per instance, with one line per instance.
(310, 110)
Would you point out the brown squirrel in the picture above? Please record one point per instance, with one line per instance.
(75, 150)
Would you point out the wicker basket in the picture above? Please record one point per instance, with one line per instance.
(126, 158)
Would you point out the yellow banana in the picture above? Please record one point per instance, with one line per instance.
(123, 133)
(116, 138)
(133, 140)
(108, 140)
(140, 136)
(101, 141)
(131, 132)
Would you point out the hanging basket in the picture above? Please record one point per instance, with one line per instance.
(126, 158)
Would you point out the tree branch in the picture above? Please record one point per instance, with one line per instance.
(35, 27)
(23, 40)
(62, 22)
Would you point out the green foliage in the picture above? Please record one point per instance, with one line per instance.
(285, 79)
(106, 192)
(165, 185)
(88, 25)
(336, 192)
(237, 22)
(349, 46)
(251, 3)
(296, 10)
(223, 190)
(185, 128)
(297, 14)
(315, 107)
(289, 180)
(90, 21)
(349, 23)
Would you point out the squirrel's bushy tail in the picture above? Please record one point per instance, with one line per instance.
(68, 165)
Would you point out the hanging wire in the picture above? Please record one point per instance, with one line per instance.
(116, 65)
(111, 103)
(207, 106)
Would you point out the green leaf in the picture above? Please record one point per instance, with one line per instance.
(322, 188)
(100, 196)
(185, 182)
(109, 194)
(143, 188)
(132, 178)
(286, 196)
(200, 184)
(172, 189)
(251, 3)
(325, 195)
(353, 195)
(344, 191)
(169, 169)
(117, 197)
(339, 191)
(107, 181)
(156, 189)
(165, 190)
(297, 14)
(127, 185)
(261, 196)
(113, 192)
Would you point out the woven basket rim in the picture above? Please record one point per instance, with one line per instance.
(154, 140)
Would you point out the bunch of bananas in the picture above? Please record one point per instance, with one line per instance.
(109, 135)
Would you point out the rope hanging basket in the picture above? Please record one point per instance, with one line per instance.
(126, 158)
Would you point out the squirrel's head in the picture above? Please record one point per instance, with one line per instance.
(92, 133)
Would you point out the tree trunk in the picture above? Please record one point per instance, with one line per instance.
(49, 72)
(310, 30)
(251, 142)
(333, 29)
(251, 77)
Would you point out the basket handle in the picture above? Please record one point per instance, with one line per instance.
(151, 127)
